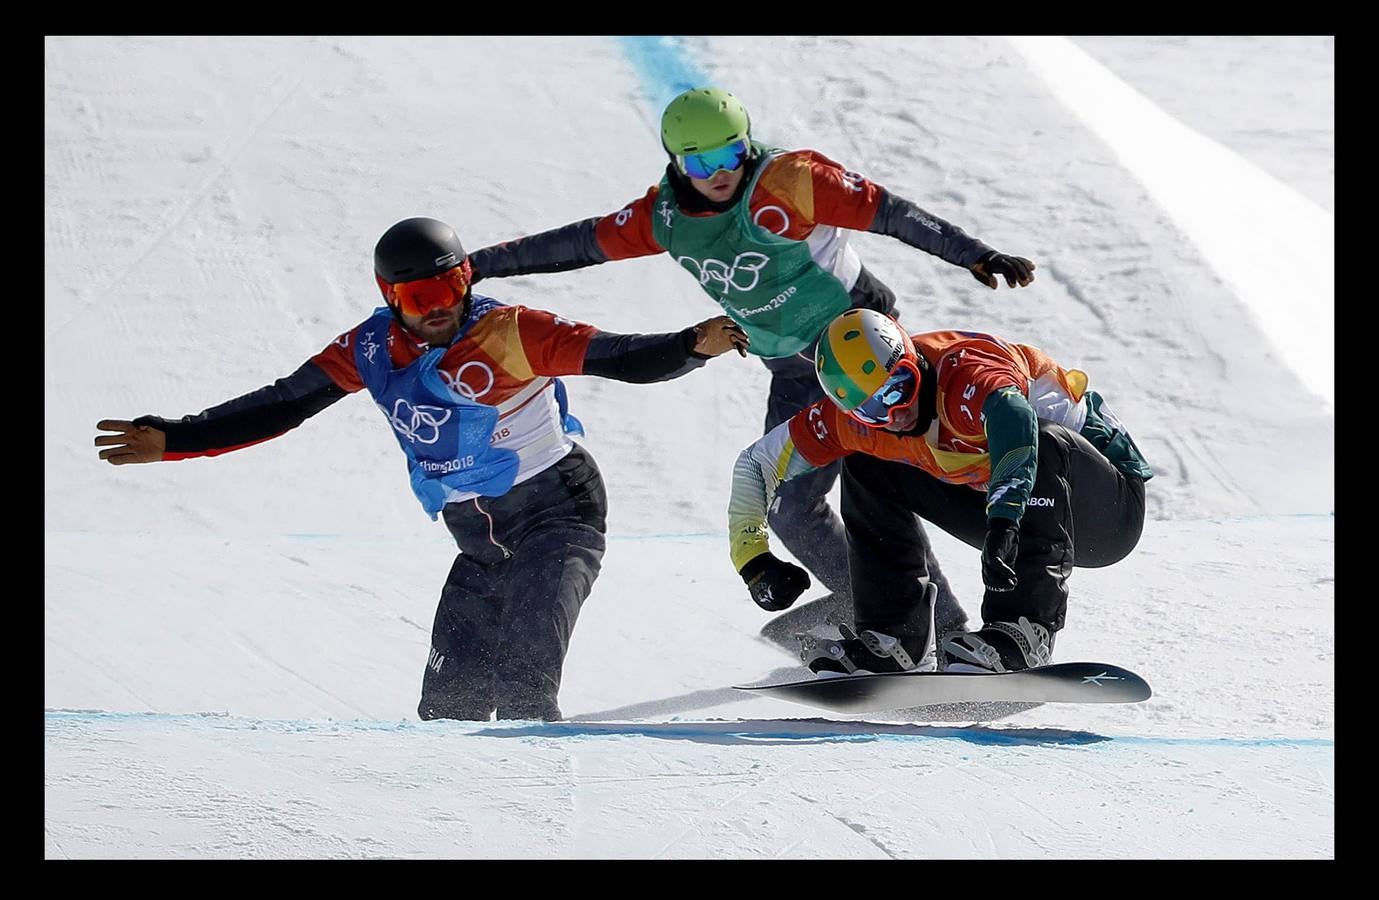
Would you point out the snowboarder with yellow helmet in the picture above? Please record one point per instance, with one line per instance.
(992, 441)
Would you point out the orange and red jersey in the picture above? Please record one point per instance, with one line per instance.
(969, 367)
(505, 357)
(497, 358)
(969, 370)
(799, 191)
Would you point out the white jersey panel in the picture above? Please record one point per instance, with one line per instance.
(829, 248)
(1052, 404)
(529, 424)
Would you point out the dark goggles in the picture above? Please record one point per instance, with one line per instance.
(427, 295)
(899, 391)
(703, 165)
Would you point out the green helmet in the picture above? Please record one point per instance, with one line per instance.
(703, 119)
(858, 351)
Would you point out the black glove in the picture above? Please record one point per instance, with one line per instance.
(1016, 269)
(774, 583)
(998, 554)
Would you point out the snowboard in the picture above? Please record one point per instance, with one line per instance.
(1070, 682)
(825, 613)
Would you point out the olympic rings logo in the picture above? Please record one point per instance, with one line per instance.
(457, 383)
(727, 275)
(410, 421)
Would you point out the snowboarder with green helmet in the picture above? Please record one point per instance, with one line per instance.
(765, 232)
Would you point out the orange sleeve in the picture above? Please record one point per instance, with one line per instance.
(842, 197)
(627, 232)
(803, 188)
(553, 345)
(337, 361)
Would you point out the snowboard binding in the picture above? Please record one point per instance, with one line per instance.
(868, 652)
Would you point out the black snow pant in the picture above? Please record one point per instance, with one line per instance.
(1082, 512)
(800, 515)
(527, 561)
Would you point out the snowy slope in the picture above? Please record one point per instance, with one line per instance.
(233, 646)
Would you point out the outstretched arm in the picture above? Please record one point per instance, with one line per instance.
(553, 346)
(848, 200)
(620, 235)
(572, 246)
(250, 419)
(647, 358)
(903, 220)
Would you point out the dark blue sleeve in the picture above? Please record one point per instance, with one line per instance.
(642, 358)
(253, 417)
(903, 220)
(572, 246)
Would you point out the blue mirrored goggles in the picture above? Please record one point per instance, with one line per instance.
(899, 391)
(702, 165)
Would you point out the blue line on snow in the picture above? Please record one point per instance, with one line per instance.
(805, 731)
(664, 66)
(442, 538)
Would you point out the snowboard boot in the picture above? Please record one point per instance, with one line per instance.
(868, 652)
(999, 647)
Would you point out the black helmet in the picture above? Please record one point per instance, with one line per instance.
(416, 248)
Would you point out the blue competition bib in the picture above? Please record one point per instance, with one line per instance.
(447, 438)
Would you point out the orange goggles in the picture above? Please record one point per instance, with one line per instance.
(427, 295)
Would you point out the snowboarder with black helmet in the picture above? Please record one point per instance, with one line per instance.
(471, 390)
